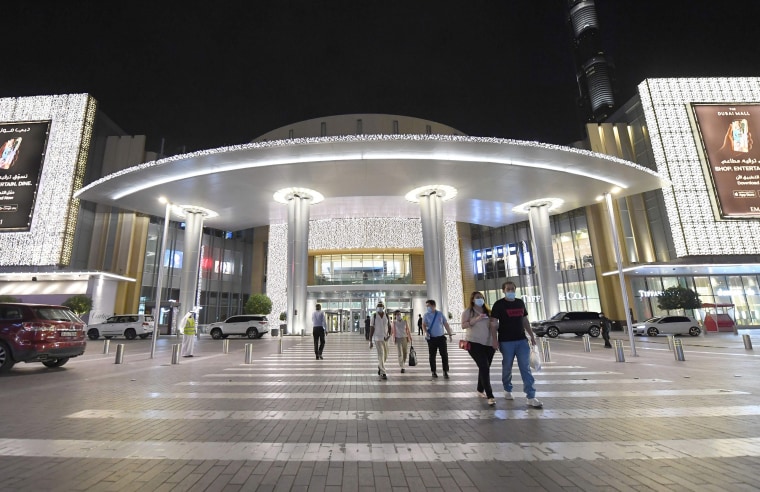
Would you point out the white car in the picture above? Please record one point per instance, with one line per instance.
(669, 325)
(246, 325)
(130, 326)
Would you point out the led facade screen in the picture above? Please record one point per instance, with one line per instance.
(733, 159)
(22, 150)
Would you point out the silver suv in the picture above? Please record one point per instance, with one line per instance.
(130, 326)
(247, 325)
(578, 322)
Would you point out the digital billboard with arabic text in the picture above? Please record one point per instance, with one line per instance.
(733, 158)
(22, 151)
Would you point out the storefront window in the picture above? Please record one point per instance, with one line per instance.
(346, 269)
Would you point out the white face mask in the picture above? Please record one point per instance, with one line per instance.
(479, 302)
(380, 310)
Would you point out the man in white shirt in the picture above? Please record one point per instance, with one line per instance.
(318, 331)
(379, 332)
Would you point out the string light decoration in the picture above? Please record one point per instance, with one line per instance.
(666, 104)
(50, 238)
(343, 234)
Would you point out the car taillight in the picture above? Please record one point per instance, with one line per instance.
(145, 324)
(263, 321)
(37, 326)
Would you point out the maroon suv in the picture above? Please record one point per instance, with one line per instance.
(39, 333)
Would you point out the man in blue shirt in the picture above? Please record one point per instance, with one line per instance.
(434, 323)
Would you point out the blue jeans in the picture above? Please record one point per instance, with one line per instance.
(521, 349)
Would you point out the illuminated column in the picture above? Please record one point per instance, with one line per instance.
(543, 256)
(298, 201)
(431, 200)
(191, 257)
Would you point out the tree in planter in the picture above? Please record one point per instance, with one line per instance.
(258, 304)
(9, 299)
(80, 304)
(674, 298)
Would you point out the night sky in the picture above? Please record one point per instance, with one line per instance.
(219, 75)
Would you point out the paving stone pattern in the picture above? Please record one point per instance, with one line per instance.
(291, 422)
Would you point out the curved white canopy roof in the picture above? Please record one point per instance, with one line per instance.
(368, 176)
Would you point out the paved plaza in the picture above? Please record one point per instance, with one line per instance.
(290, 422)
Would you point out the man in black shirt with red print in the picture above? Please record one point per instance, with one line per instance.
(513, 324)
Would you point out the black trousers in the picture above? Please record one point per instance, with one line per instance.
(319, 340)
(483, 356)
(436, 344)
(606, 335)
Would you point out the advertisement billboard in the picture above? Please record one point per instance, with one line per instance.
(22, 151)
(733, 161)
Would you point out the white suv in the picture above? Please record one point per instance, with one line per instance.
(130, 326)
(670, 325)
(247, 325)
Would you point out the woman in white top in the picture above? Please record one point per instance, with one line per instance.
(483, 342)
(401, 336)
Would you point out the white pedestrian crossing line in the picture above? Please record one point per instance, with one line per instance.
(417, 382)
(424, 415)
(367, 371)
(381, 452)
(444, 394)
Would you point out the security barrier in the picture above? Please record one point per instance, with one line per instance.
(119, 353)
(619, 353)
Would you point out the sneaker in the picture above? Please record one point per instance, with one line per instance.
(435, 375)
(535, 403)
(378, 371)
(491, 402)
(481, 394)
(321, 358)
(403, 370)
(508, 395)
(317, 357)
(383, 376)
(445, 375)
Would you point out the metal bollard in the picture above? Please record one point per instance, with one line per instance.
(670, 342)
(678, 350)
(175, 353)
(747, 342)
(119, 353)
(619, 354)
(546, 350)
(225, 346)
(249, 353)
(280, 351)
(106, 345)
(586, 343)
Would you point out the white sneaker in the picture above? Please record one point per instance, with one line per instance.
(481, 394)
(491, 402)
(508, 396)
(535, 403)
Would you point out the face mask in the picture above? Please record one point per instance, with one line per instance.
(380, 310)
(479, 302)
(510, 296)
(398, 318)
(429, 309)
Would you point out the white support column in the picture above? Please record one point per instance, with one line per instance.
(298, 257)
(543, 257)
(431, 213)
(191, 257)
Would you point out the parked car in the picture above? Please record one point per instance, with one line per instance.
(39, 333)
(669, 325)
(578, 322)
(130, 326)
(247, 325)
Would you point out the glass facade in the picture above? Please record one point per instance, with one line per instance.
(739, 296)
(504, 253)
(347, 269)
(223, 291)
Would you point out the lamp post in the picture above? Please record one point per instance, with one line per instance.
(160, 281)
(618, 260)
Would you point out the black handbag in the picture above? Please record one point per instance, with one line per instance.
(412, 356)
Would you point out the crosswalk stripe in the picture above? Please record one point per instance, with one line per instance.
(407, 415)
(417, 382)
(385, 452)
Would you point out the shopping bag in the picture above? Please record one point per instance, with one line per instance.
(412, 356)
(464, 344)
(535, 359)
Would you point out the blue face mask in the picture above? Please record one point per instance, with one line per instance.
(479, 302)
(510, 296)
(429, 309)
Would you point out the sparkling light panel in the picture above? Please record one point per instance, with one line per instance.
(361, 233)
(666, 104)
(50, 238)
